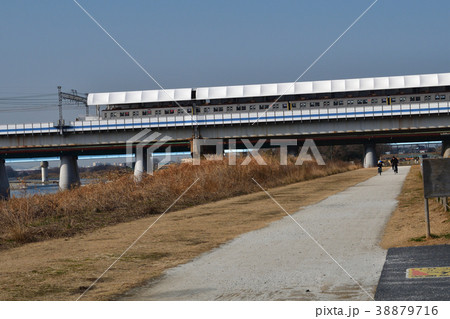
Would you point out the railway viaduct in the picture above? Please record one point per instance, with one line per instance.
(366, 125)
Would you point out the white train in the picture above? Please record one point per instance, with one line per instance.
(253, 98)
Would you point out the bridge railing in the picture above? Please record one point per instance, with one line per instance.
(273, 116)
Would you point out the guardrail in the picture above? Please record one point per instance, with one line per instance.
(356, 112)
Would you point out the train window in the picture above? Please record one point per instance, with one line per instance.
(135, 113)
(179, 111)
(275, 106)
(144, 112)
(206, 110)
(261, 107)
(442, 97)
(338, 102)
(373, 101)
(427, 97)
(402, 99)
(383, 100)
(172, 111)
(124, 114)
(326, 103)
(393, 99)
(113, 114)
(198, 110)
(294, 104)
(302, 104)
(238, 108)
(417, 98)
(437, 97)
(229, 108)
(311, 104)
(243, 107)
(284, 106)
(189, 110)
(252, 107)
(349, 102)
(216, 109)
(166, 111)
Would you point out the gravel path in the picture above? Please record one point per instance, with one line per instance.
(281, 262)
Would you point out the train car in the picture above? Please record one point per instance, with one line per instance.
(399, 90)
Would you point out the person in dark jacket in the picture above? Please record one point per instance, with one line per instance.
(380, 166)
(394, 163)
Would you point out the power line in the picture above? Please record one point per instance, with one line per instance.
(24, 97)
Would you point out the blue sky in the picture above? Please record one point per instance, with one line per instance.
(206, 43)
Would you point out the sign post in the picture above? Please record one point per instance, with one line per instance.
(427, 218)
(436, 183)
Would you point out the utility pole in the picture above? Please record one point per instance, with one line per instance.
(73, 97)
(61, 121)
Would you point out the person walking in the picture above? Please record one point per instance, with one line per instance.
(394, 163)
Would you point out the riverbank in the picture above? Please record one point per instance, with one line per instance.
(62, 269)
(64, 214)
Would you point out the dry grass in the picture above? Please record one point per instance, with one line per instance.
(407, 224)
(61, 269)
(63, 214)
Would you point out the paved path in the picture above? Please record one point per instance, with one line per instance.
(280, 262)
(416, 273)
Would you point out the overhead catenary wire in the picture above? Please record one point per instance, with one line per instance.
(25, 97)
(39, 108)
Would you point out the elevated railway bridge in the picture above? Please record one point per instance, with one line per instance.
(383, 110)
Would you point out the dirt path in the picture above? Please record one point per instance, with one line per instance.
(281, 262)
(61, 269)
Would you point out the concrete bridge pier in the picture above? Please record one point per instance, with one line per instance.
(69, 176)
(44, 172)
(370, 157)
(4, 183)
(446, 148)
(140, 165)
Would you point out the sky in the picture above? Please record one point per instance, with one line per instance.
(198, 43)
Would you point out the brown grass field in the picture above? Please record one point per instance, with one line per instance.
(406, 226)
(62, 268)
(41, 217)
